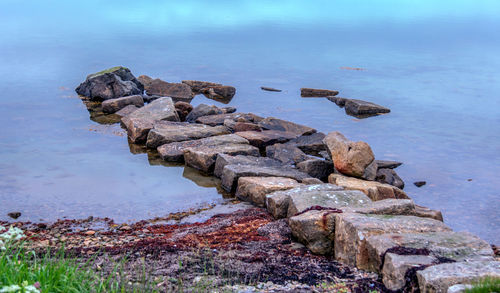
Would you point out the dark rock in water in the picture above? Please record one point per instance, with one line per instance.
(389, 176)
(14, 215)
(219, 119)
(197, 86)
(140, 122)
(245, 126)
(338, 100)
(419, 183)
(203, 110)
(308, 92)
(316, 168)
(359, 107)
(269, 89)
(203, 157)
(267, 137)
(177, 91)
(310, 144)
(114, 105)
(220, 91)
(383, 164)
(272, 123)
(287, 154)
(183, 109)
(108, 84)
(126, 110)
(223, 160)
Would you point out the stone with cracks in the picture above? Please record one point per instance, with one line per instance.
(352, 230)
(359, 107)
(174, 152)
(167, 132)
(141, 121)
(223, 160)
(310, 144)
(287, 154)
(219, 119)
(255, 189)
(309, 92)
(114, 105)
(317, 168)
(197, 86)
(265, 138)
(396, 266)
(351, 158)
(389, 176)
(271, 123)
(375, 190)
(111, 83)
(203, 157)
(126, 110)
(440, 277)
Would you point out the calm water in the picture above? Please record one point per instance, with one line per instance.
(436, 65)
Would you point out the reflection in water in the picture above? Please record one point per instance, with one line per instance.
(96, 113)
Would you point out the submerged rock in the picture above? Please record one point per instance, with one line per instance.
(113, 105)
(262, 139)
(390, 177)
(197, 86)
(272, 123)
(359, 107)
(255, 189)
(419, 183)
(308, 92)
(373, 189)
(287, 154)
(204, 157)
(111, 83)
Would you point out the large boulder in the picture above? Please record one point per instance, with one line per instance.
(359, 107)
(309, 92)
(351, 158)
(204, 157)
(262, 139)
(111, 83)
(317, 168)
(310, 144)
(174, 152)
(113, 105)
(373, 189)
(287, 154)
(141, 121)
(167, 132)
(197, 86)
(224, 160)
(255, 189)
(220, 119)
(389, 176)
(271, 123)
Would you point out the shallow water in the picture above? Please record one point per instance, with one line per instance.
(436, 65)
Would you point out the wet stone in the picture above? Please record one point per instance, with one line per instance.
(359, 107)
(419, 183)
(338, 100)
(316, 168)
(114, 105)
(204, 157)
(287, 154)
(265, 138)
(309, 92)
(223, 160)
(271, 123)
(219, 119)
(255, 189)
(384, 164)
(389, 176)
(373, 189)
(310, 144)
(426, 212)
(269, 89)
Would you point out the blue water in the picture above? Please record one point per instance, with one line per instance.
(436, 64)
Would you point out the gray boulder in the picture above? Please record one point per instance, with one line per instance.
(126, 110)
(385, 164)
(255, 189)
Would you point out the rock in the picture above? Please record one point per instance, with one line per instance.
(384, 164)
(223, 160)
(351, 158)
(459, 288)
(310, 144)
(373, 189)
(269, 89)
(396, 266)
(231, 174)
(426, 212)
(389, 176)
(287, 154)
(145, 80)
(338, 100)
(359, 107)
(113, 105)
(277, 204)
(183, 109)
(316, 168)
(228, 110)
(203, 157)
(230, 124)
(450, 245)
(325, 155)
(315, 230)
(197, 86)
(174, 152)
(202, 110)
(267, 137)
(126, 110)
(352, 230)
(214, 120)
(308, 92)
(245, 126)
(271, 123)
(220, 91)
(140, 122)
(14, 215)
(440, 277)
(311, 181)
(167, 132)
(255, 189)
(419, 183)
(111, 83)
(177, 91)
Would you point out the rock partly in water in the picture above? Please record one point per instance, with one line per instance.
(141, 121)
(316, 168)
(309, 92)
(197, 86)
(271, 123)
(255, 189)
(287, 154)
(177, 91)
(359, 107)
(351, 158)
(389, 176)
(223, 92)
(14, 215)
(262, 139)
(373, 189)
(384, 164)
(202, 110)
(113, 105)
(269, 89)
(167, 132)
(426, 212)
(204, 157)
(223, 160)
(338, 100)
(111, 83)
(174, 152)
(310, 144)
(183, 109)
(419, 183)
(126, 110)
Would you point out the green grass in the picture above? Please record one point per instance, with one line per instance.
(486, 285)
(107, 71)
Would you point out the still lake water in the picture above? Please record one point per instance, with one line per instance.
(436, 64)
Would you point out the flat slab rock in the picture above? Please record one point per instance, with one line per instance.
(309, 92)
(287, 154)
(224, 159)
(316, 168)
(167, 132)
(265, 138)
(385, 164)
(141, 121)
(440, 277)
(174, 152)
(352, 230)
(204, 157)
(219, 119)
(360, 107)
(126, 110)
(373, 189)
(114, 105)
(271, 123)
(255, 189)
(310, 144)
(207, 110)
(166, 89)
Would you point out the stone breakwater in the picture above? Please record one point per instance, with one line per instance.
(337, 199)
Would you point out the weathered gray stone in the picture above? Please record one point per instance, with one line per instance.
(359, 107)
(384, 164)
(309, 92)
(174, 152)
(271, 123)
(396, 266)
(223, 160)
(373, 189)
(288, 154)
(255, 189)
(219, 119)
(277, 204)
(167, 132)
(317, 168)
(114, 105)
(197, 86)
(310, 144)
(126, 110)
(267, 137)
(352, 230)
(203, 157)
(140, 122)
(351, 158)
(440, 277)
(389, 176)
(315, 229)
(459, 288)
(111, 83)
